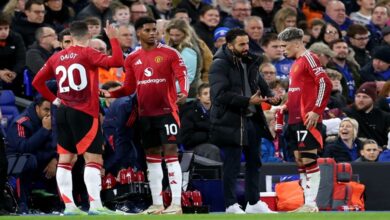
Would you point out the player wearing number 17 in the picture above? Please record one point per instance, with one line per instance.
(75, 70)
(308, 94)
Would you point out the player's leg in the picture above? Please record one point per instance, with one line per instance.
(293, 145)
(151, 143)
(169, 128)
(67, 157)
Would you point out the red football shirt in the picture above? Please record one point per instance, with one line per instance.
(152, 74)
(309, 88)
(76, 72)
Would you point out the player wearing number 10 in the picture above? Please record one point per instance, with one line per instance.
(152, 71)
(75, 70)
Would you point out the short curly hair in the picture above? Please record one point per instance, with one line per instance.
(291, 33)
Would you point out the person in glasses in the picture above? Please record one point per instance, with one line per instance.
(329, 32)
(28, 22)
(241, 9)
(370, 151)
(358, 37)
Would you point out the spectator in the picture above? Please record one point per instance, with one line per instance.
(65, 38)
(268, 72)
(335, 14)
(224, 8)
(294, 4)
(347, 146)
(137, 10)
(358, 37)
(336, 100)
(363, 16)
(105, 103)
(254, 27)
(314, 9)
(241, 9)
(329, 33)
(323, 52)
(194, 9)
(195, 125)
(12, 55)
(96, 8)
(178, 35)
(379, 18)
(266, 10)
(14, 8)
(351, 78)
(369, 152)
(373, 122)
(208, 22)
(315, 28)
(284, 18)
(219, 37)
(94, 26)
(270, 148)
(383, 101)
(161, 9)
(386, 36)
(273, 50)
(126, 36)
(40, 51)
(58, 14)
(182, 13)
(27, 23)
(121, 14)
(31, 133)
(379, 68)
(236, 86)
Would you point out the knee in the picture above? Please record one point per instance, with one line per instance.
(95, 158)
(170, 150)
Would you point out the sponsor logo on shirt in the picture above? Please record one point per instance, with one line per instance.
(294, 89)
(139, 62)
(148, 72)
(149, 81)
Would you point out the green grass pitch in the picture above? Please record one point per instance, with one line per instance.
(218, 216)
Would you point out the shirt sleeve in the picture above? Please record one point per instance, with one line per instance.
(180, 71)
(129, 85)
(102, 60)
(322, 82)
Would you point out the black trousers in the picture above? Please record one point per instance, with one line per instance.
(232, 164)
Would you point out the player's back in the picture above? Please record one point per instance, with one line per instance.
(77, 78)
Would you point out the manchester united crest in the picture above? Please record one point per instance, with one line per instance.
(158, 59)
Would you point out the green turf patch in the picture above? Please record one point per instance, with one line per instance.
(282, 216)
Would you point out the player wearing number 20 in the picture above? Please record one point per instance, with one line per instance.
(75, 71)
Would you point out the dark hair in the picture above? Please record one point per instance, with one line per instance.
(65, 32)
(268, 38)
(369, 141)
(143, 20)
(38, 100)
(201, 87)
(92, 20)
(110, 84)
(205, 9)
(232, 34)
(4, 20)
(78, 29)
(332, 43)
(356, 29)
(323, 30)
(29, 3)
(179, 10)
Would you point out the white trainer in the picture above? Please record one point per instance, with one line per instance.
(153, 210)
(259, 207)
(235, 209)
(306, 208)
(173, 210)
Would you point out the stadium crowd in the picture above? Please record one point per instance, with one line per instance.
(351, 40)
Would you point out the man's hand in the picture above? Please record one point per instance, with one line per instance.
(311, 119)
(181, 98)
(274, 100)
(51, 168)
(46, 122)
(7, 75)
(104, 93)
(256, 99)
(111, 31)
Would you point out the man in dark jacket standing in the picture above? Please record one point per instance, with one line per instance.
(237, 121)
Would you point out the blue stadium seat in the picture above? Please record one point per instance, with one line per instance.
(8, 107)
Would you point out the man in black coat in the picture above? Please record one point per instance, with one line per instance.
(237, 121)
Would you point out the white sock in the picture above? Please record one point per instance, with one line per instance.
(93, 182)
(302, 178)
(313, 183)
(65, 185)
(155, 176)
(175, 178)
